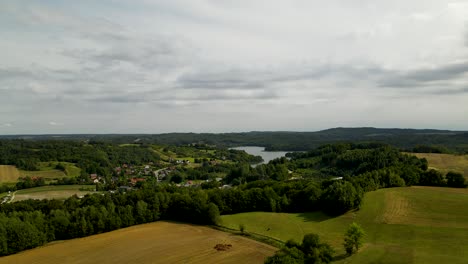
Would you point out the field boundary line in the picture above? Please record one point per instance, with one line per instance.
(252, 235)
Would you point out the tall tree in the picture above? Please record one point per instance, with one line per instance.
(353, 238)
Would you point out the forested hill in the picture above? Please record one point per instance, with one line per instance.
(443, 140)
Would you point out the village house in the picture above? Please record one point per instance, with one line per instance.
(134, 181)
(125, 188)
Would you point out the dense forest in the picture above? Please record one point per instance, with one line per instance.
(336, 176)
(437, 140)
(93, 157)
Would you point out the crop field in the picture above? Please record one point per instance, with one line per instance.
(52, 192)
(160, 242)
(403, 225)
(446, 162)
(9, 173)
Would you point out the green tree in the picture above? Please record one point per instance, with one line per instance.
(287, 255)
(353, 238)
(311, 251)
(340, 197)
(455, 179)
(242, 228)
(141, 211)
(432, 178)
(213, 214)
(315, 251)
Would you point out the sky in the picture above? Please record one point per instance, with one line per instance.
(150, 66)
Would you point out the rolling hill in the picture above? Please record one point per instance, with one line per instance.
(403, 225)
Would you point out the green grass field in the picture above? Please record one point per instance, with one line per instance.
(129, 145)
(47, 171)
(403, 225)
(52, 192)
(50, 174)
(446, 162)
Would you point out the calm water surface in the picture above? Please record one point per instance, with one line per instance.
(260, 151)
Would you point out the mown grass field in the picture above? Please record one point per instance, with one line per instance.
(71, 170)
(446, 162)
(50, 174)
(47, 171)
(160, 242)
(8, 173)
(52, 192)
(403, 225)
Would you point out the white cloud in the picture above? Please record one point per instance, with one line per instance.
(52, 123)
(422, 16)
(160, 66)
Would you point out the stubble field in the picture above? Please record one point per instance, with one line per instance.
(160, 242)
(8, 174)
(446, 162)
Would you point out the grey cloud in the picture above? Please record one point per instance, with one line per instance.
(117, 43)
(160, 53)
(221, 80)
(248, 79)
(451, 91)
(169, 97)
(445, 72)
(53, 17)
(118, 99)
(438, 80)
(149, 55)
(424, 77)
(14, 73)
(465, 36)
(265, 79)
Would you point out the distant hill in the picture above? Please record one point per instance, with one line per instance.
(449, 141)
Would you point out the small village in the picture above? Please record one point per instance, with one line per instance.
(134, 175)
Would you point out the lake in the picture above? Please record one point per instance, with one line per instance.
(260, 151)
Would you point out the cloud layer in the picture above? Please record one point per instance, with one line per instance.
(159, 66)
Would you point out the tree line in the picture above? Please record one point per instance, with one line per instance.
(313, 251)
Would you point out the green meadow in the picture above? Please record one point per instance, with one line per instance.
(403, 225)
(53, 192)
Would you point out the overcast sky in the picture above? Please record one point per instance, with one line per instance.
(144, 66)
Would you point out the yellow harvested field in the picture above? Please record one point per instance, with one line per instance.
(160, 242)
(9, 173)
(446, 162)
